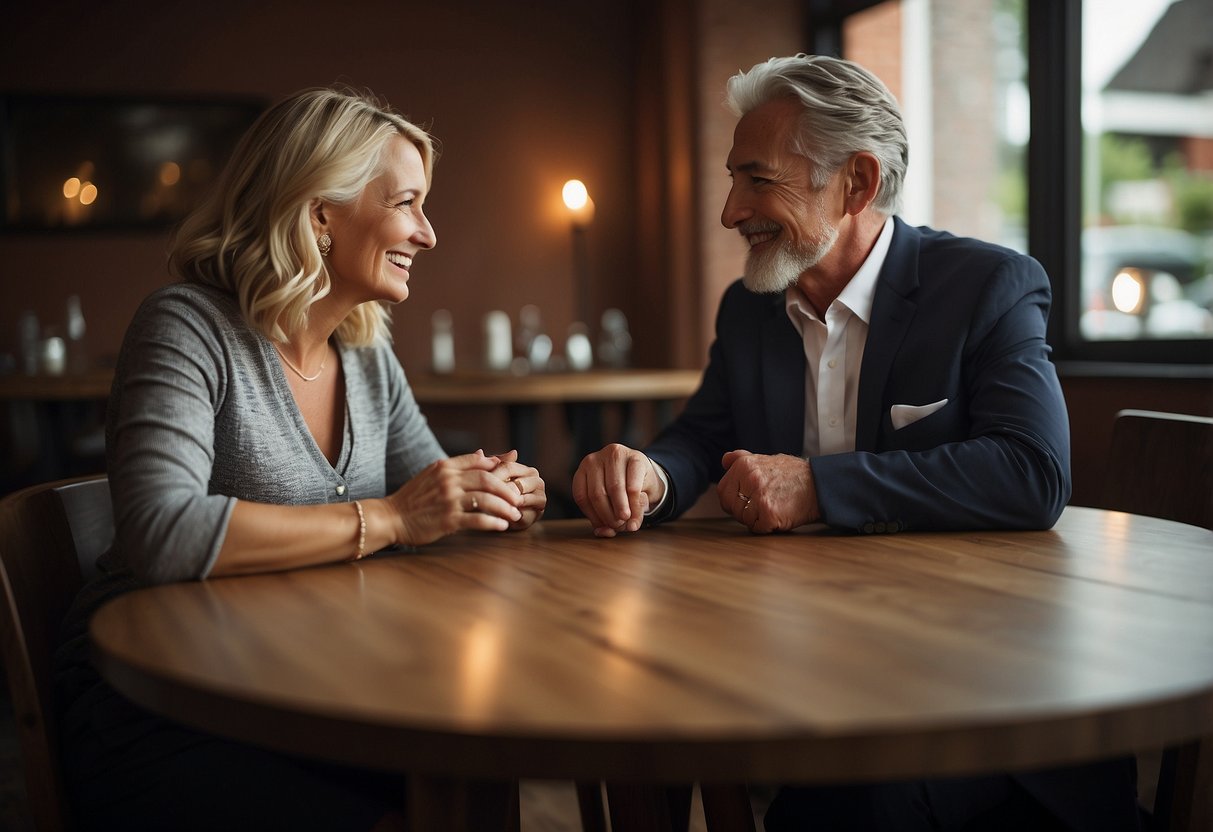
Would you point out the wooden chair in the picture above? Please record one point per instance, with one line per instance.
(50, 536)
(1161, 465)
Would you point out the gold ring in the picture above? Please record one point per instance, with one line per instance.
(518, 485)
(741, 496)
(475, 504)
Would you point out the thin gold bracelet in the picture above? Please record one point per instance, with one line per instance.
(361, 553)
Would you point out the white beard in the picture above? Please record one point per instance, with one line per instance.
(774, 270)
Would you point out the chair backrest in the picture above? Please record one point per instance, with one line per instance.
(46, 532)
(90, 516)
(1161, 465)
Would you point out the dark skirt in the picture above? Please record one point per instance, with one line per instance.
(128, 769)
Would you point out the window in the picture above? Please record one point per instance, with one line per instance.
(1080, 131)
(1147, 118)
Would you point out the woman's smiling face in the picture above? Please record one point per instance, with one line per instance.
(376, 236)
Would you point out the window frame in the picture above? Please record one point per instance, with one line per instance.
(1055, 206)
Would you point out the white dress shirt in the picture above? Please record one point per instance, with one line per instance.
(833, 351)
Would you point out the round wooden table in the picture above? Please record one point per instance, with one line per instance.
(698, 652)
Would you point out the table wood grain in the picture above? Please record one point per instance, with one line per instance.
(697, 651)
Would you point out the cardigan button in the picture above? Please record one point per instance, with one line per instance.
(340, 490)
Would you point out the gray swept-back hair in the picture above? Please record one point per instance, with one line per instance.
(847, 109)
(252, 235)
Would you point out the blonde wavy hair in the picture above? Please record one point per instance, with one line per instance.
(252, 236)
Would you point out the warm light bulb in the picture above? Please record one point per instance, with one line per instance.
(575, 194)
(88, 193)
(170, 174)
(1127, 291)
(577, 200)
(71, 188)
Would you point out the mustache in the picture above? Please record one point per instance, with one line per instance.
(758, 227)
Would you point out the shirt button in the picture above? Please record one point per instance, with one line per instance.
(340, 490)
(832, 363)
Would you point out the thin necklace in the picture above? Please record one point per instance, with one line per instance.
(299, 372)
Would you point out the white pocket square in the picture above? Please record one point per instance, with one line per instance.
(904, 415)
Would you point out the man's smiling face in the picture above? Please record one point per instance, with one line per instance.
(772, 201)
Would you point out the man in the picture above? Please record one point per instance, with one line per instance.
(871, 376)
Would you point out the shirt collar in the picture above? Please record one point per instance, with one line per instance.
(859, 293)
(860, 290)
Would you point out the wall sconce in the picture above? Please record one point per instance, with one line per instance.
(581, 213)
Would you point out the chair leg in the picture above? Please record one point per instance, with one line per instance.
(678, 798)
(590, 806)
(494, 804)
(1164, 795)
(726, 807)
(643, 807)
(457, 805)
(1185, 787)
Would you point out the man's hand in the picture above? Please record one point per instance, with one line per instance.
(614, 487)
(768, 493)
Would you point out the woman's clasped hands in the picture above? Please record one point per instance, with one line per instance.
(473, 491)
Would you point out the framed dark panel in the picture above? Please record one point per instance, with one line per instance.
(84, 163)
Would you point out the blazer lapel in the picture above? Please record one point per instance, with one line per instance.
(892, 313)
(783, 370)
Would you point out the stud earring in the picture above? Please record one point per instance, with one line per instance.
(325, 243)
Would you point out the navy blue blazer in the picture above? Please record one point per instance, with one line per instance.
(952, 318)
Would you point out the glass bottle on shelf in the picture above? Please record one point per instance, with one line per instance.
(614, 340)
(498, 344)
(30, 334)
(442, 344)
(577, 350)
(77, 349)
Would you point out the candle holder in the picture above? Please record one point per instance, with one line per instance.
(581, 214)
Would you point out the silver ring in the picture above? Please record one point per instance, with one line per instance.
(475, 504)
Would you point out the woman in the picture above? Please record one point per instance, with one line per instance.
(259, 421)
